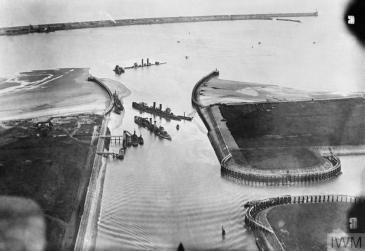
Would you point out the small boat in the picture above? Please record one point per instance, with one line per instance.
(180, 247)
(135, 139)
(140, 140)
(116, 110)
(118, 70)
(162, 133)
(177, 127)
(120, 155)
(223, 232)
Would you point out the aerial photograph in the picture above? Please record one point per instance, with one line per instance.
(182, 125)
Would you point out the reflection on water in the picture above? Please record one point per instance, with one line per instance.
(165, 192)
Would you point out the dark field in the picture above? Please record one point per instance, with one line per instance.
(304, 123)
(279, 158)
(53, 170)
(305, 226)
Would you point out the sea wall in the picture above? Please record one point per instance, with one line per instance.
(260, 177)
(102, 85)
(265, 236)
(45, 28)
(223, 143)
(86, 235)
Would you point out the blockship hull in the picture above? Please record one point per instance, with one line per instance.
(158, 112)
(158, 131)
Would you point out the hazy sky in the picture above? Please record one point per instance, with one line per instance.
(24, 12)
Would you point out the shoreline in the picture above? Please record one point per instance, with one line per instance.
(91, 207)
(87, 232)
(46, 28)
(53, 169)
(88, 218)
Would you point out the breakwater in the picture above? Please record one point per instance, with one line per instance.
(102, 85)
(224, 144)
(45, 28)
(86, 235)
(261, 177)
(265, 236)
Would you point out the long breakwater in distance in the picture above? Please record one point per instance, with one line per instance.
(45, 28)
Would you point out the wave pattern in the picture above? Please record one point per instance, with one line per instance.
(154, 203)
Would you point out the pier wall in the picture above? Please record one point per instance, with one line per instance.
(261, 177)
(44, 28)
(265, 236)
(244, 173)
(86, 235)
(102, 85)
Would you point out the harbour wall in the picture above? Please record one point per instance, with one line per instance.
(244, 173)
(45, 28)
(102, 85)
(86, 235)
(265, 236)
(260, 177)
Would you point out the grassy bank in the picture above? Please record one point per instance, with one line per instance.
(52, 169)
(305, 226)
(303, 123)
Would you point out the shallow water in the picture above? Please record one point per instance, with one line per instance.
(167, 192)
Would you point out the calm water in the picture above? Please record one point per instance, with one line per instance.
(169, 192)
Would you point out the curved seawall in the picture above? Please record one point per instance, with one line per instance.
(225, 145)
(45, 28)
(266, 238)
(102, 85)
(86, 235)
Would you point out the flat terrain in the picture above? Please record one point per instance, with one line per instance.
(304, 123)
(305, 226)
(270, 127)
(279, 158)
(50, 92)
(51, 167)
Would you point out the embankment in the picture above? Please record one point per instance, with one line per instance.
(234, 164)
(87, 231)
(45, 28)
(103, 86)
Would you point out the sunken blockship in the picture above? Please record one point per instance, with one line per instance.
(167, 114)
(272, 135)
(152, 127)
(120, 70)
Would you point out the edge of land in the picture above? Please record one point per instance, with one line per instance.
(45, 28)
